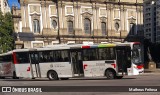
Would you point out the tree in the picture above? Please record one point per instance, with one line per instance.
(6, 32)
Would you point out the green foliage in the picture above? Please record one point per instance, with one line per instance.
(6, 32)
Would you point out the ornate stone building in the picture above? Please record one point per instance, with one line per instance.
(46, 22)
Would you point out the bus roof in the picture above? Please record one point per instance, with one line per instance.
(72, 46)
(76, 46)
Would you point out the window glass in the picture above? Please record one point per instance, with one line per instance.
(36, 26)
(103, 27)
(6, 58)
(70, 27)
(54, 56)
(90, 54)
(54, 24)
(87, 26)
(22, 57)
(132, 29)
(106, 54)
(117, 26)
(136, 54)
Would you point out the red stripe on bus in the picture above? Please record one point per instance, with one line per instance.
(85, 46)
(14, 58)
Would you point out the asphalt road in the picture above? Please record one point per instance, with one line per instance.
(141, 80)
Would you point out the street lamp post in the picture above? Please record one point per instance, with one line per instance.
(120, 20)
(107, 21)
(58, 35)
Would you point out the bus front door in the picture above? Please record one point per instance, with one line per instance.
(34, 62)
(123, 59)
(76, 61)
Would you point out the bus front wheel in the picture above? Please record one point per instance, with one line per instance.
(110, 74)
(52, 75)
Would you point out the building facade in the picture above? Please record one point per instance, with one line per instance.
(150, 20)
(48, 22)
(158, 21)
(4, 7)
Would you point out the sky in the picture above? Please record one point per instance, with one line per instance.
(13, 2)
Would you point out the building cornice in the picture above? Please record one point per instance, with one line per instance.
(117, 2)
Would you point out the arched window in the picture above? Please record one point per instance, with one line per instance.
(70, 27)
(117, 26)
(103, 27)
(132, 29)
(54, 24)
(87, 26)
(36, 26)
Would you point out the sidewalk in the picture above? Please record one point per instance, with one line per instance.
(151, 70)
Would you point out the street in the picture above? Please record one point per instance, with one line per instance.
(149, 79)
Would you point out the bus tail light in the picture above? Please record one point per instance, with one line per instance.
(28, 69)
(114, 65)
(84, 66)
(140, 66)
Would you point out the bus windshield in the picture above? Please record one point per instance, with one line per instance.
(136, 54)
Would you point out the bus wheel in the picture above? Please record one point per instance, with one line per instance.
(15, 76)
(52, 75)
(110, 74)
(64, 78)
(119, 77)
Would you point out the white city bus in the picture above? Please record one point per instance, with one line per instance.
(68, 61)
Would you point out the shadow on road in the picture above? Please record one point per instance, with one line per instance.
(71, 79)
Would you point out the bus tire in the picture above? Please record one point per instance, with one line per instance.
(64, 78)
(110, 74)
(52, 75)
(119, 77)
(15, 76)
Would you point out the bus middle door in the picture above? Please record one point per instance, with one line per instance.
(34, 62)
(121, 60)
(76, 61)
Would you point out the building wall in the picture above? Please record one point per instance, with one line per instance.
(97, 11)
(158, 21)
(150, 20)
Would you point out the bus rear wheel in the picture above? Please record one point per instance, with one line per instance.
(52, 75)
(110, 74)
